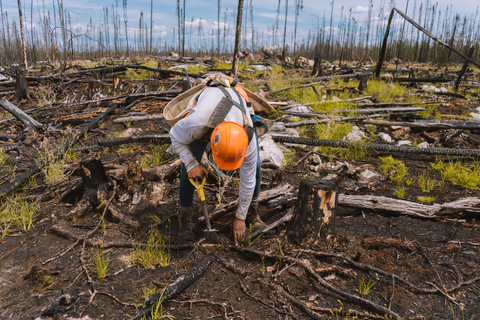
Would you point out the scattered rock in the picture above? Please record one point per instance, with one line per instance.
(423, 145)
(270, 151)
(260, 67)
(385, 137)
(174, 55)
(355, 135)
(367, 175)
(303, 109)
(315, 159)
(426, 87)
(404, 143)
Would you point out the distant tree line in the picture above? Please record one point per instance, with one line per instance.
(54, 38)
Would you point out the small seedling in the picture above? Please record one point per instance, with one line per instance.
(425, 199)
(387, 164)
(248, 241)
(264, 267)
(157, 251)
(371, 128)
(104, 224)
(364, 287)
(3, 158)
(400, 174)
(101, 263)
(425, 183)
(48, 279)
(127, 123)
(400, 192)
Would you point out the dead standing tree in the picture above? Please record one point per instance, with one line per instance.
(384, 46)
(23, 34)
(238, 37)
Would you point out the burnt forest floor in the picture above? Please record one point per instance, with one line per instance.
(436, 262)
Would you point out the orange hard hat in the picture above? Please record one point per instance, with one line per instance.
(229, 145)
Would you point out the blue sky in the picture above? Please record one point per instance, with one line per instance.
(264, 14)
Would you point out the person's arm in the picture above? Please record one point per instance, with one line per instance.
(248, 171)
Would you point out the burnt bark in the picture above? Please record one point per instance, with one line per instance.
(315, 212)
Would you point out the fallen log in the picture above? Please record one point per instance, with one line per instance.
(133, 139)
(59, 231)
(387, 104)
(456, 208)
(139, 118)
(337, 118)
(20, 115)
(432, 80)
(376, 146)
(70, 142)
(131, 95)
(429, 124)
(359, 111)
(177, 287)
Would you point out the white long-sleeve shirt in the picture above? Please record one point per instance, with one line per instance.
(194, 127)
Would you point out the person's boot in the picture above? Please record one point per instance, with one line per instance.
(253, 218)
(185, 226)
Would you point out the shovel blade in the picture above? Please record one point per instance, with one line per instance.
(211, 236)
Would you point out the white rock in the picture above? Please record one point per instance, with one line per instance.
(304, 109)
(395, 127)
(407, 129)
(124, 197)
(385, 137)
(278, 127)
(404, 143)
(423, 145)
(136, 198)
(355, 135)
(270, 151)
(367, 175)
(174, 55)
(316, 160)
(260, 67)
(310, 63)
(331, 176)
(292, 132)
(476, 116)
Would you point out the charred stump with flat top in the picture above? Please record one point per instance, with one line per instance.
(315, 212)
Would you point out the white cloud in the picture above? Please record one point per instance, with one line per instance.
(360, 9)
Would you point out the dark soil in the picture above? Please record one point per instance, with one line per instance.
(428, 253)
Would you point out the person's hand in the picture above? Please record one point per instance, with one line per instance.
(198, 172)
(239, 231)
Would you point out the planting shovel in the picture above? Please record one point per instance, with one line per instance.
(210, 234)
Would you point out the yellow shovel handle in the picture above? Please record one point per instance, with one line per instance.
(199, 188)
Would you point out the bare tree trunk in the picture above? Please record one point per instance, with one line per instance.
(151, 25)
(218, 29)
(238, 37)
(23, 34)
(285, 31)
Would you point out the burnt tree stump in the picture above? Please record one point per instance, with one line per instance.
(315, 212)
